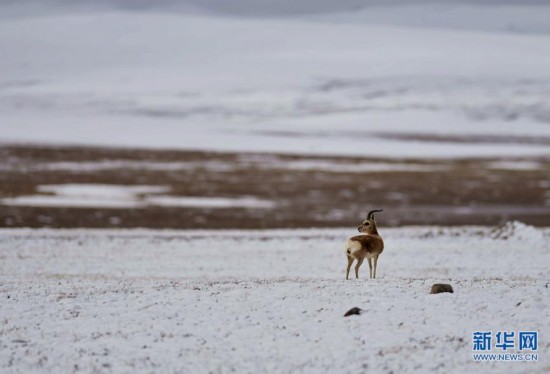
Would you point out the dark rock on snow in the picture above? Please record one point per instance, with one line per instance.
(440, 287)
(353, 311)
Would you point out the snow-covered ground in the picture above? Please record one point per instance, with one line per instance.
(280, 76)
(266, 301)
(123, 196)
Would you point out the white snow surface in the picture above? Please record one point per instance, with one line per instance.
(210, 202)
(514, 165)
(276, 77)
(263, 161)
(124, 196)
(86, 195)
(266, 301)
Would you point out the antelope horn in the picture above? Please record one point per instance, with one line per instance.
(371, 213)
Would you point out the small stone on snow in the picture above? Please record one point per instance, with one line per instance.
(353, 311)
(439, 288)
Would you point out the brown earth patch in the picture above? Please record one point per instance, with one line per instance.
(455, 192)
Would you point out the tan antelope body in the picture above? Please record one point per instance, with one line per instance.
(367, 245)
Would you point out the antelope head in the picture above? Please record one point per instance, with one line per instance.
(369, 224)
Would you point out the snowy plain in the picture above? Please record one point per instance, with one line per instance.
(277, 76)
(267, 301)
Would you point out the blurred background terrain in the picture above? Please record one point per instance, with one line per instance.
(257, 114)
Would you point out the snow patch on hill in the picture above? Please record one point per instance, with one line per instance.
(124, 75)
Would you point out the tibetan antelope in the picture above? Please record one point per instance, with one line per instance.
(369, 244)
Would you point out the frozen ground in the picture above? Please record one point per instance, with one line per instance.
(302, 76)
(257, 301)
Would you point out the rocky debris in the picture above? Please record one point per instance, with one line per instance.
(353, 311)
(440, 287)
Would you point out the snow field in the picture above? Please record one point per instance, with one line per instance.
(266, 301)
(306, 84)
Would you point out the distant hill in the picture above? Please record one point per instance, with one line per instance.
(237, 7)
